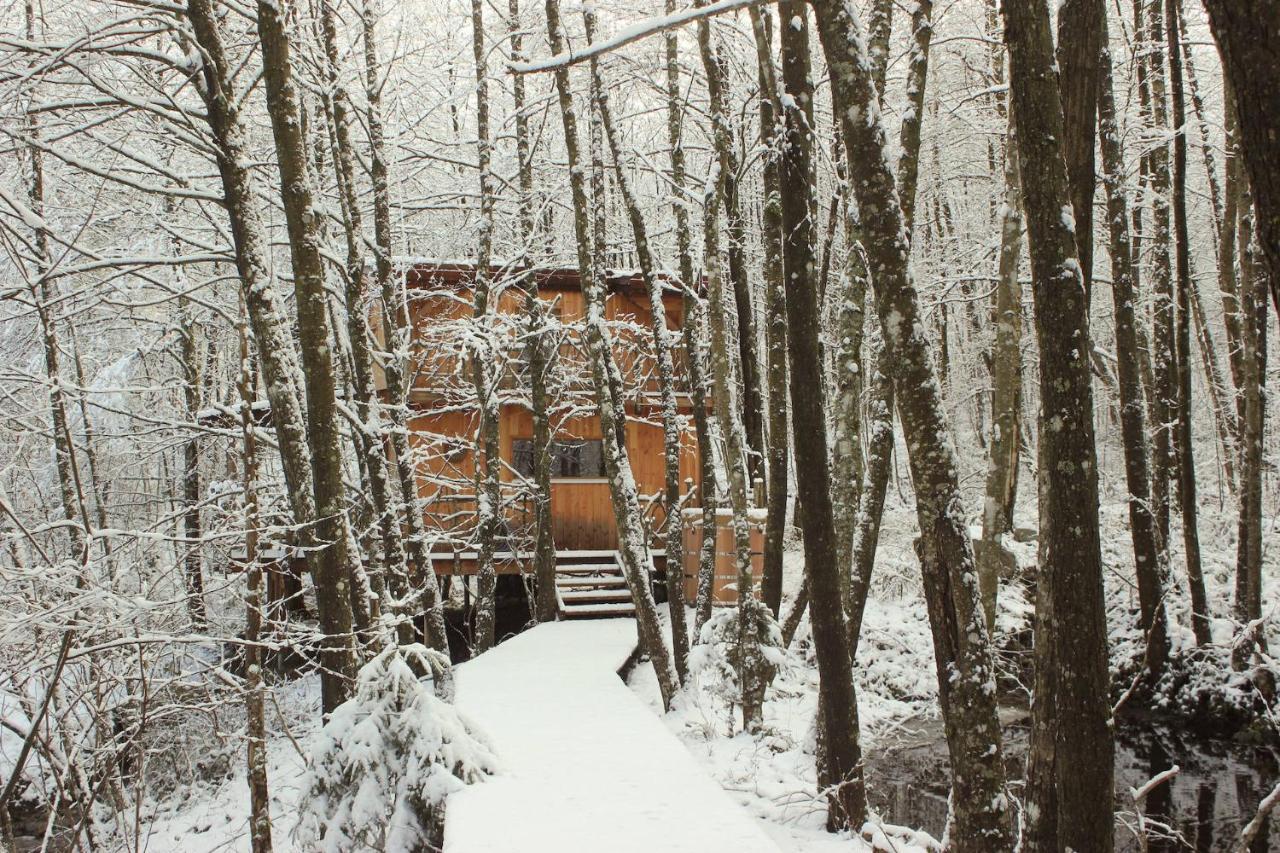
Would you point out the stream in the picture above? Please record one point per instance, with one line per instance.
(1216, 791)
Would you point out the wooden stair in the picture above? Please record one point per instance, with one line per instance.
(590, 585)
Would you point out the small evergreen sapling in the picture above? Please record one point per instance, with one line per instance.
(717, 660)
(388, 758)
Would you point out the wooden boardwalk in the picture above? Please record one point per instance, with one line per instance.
(586, 766)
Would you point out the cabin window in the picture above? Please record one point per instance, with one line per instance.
(569, 459)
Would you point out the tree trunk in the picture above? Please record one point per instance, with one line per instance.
(837, 701)
(1248, 36)
(395, 322)
(369, 441)
(875, 482)
(1006, 378)
(547, 603)
(1148, 558)
(751, 675)
(331, 564)
(1163, 346)
(276, 350)
(692, 334)
(484, 358)
(748, 362)
(1079, 39)
(879, 31)
(255, 692)
(666, 372)
(622, 488)
(1186, 458)
(1070, 765)
(962, 646)
(775, 332)
(1253, 315)
(192, 378)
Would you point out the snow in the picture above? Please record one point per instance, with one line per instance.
(586, 766)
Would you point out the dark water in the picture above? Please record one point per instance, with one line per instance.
(1216, 791)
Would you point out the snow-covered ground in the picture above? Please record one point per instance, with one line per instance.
(771, 778)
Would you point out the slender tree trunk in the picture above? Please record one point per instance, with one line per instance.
(875, 483)
(913, 119)
(255, 691)
(879, 31)
(962, 646)
(775, 329)
(359, 304)
(1186, 458)
(1150, 569)
(1228, 284)
(693, 335)
(331, 563)
(1226, 412)
(1070, 765)
(1163, 346)
(1006, 378)
(622, 491)
(751, 674)
(1248, 586)
(837, 701)
(666, 371)
(878, 424)
(484, 355)
(192, 358)
(748, 362)
(547, 603)
(395, 321)
(276, 349)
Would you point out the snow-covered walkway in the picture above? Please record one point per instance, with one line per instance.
(585, 765)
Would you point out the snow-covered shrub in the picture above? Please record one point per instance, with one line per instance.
(717, 658)
(387, 759)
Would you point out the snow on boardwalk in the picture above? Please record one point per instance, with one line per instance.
(585, 766)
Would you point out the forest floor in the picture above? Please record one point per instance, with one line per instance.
(904, 750)
(772, 776)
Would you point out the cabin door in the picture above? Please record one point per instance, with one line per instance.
(581, 507)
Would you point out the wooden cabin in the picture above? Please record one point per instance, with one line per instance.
(444, 418)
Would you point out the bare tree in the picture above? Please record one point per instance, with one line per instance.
(395, 321)
(1070, 764)
(622, 488)
(837, 701)
(751, 666)
(1186, 457)
(256, 767)
(666, 370)
(547, 603)
(962, 646)
(1252, 71)
(693, 335)
(1149, 559)
(483, 361)
(332, 564)
(1006, 378)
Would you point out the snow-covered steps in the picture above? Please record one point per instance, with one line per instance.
(590, 585)
(585, 766)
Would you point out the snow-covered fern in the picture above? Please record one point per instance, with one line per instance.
(382, 767)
